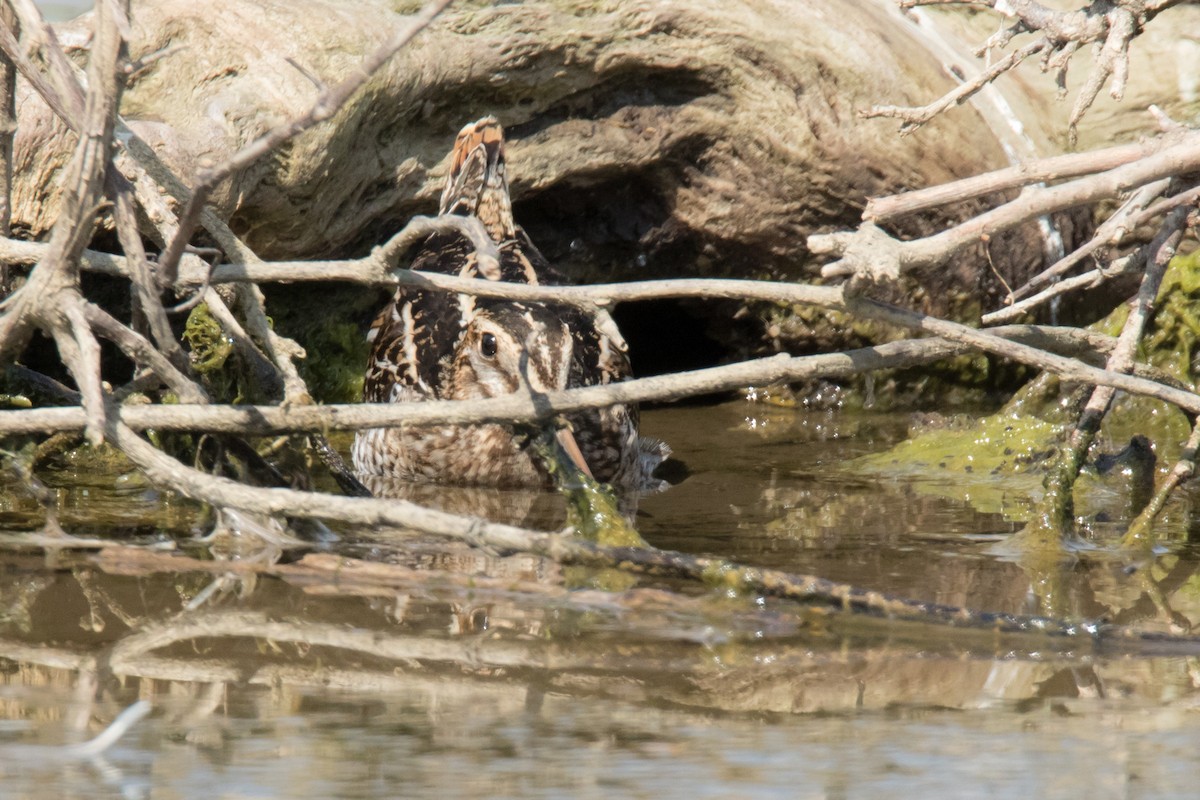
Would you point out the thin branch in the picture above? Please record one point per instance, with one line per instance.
(419, 228)
(263, 420)
(1112, 60)
(263, 371)
(141, 351)
(1126, 265)
(914, 118)
(84, 365)
(145, 289)
(110, 735)
(1058, 511)
(1066, 368)
(281, 351)
(1070, 165)
(1088, 280)
(327, 104)
(1109, 234)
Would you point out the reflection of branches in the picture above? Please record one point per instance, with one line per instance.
(572, 550)
(83, 751)
(662, 634)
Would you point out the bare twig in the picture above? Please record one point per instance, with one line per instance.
(1110, 24)
(145, 289)
(914, 118)
(1108, 234)
(327, 104)
(1058, 504)
(1071, 165)
(1088, 280)
(261, 420)
(1125, 265)
(873, 255)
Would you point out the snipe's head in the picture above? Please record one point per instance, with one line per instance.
(477, 184)
(507, 345)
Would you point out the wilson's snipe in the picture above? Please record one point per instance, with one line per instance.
(436, 345)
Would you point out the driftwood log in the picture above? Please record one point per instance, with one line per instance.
(649, 138)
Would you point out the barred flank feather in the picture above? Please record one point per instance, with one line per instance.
(436, 345)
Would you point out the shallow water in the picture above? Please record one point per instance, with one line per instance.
(493, 679)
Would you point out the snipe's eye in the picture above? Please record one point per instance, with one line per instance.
(487, 345)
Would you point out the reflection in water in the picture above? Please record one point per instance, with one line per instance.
(301, 691)
(531, 509)
(393, 663)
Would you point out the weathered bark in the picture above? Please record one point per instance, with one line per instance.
(648, 138)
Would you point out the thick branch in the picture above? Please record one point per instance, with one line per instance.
(262, 420)
(870, 252)
(51, 298)
(1071, 165)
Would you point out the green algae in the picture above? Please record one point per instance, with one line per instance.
(209, 351)
(329, 322)
(88, 490)
(994, 462)
(594, 513)
(210, 348)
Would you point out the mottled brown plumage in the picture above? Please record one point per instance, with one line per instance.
(435, 345)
